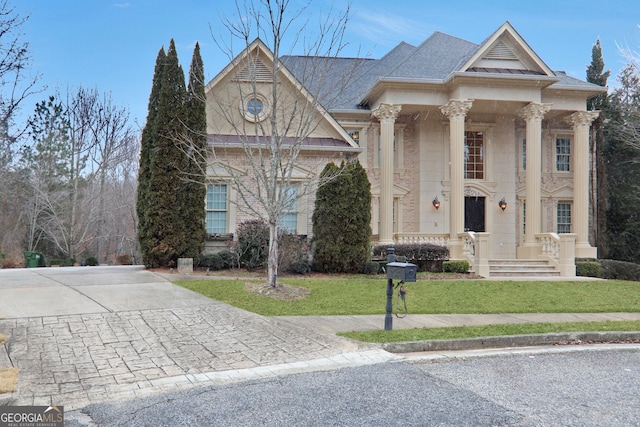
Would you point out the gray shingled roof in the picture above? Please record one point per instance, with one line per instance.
(436, 58)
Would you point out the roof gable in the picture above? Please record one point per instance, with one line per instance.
(255, 64)
(506, 52)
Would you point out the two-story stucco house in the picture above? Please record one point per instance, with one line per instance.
(480, 147)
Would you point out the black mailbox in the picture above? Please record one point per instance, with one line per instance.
(402, 271)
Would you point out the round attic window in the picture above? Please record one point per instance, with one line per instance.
(254, 108)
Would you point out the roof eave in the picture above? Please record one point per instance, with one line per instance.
(528, 79)
(381, 83)
(589, 93)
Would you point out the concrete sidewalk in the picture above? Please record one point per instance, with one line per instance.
(334, 324)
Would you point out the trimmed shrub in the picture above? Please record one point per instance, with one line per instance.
(252, 247)
(457, 266)
(426, 256)
(621, 270)
(299, 267)
(371, 267)
(588, 269)
(91, 261)
(124, 259)
(210, 261)
(341, 219)
(229, 259)
(293, 254)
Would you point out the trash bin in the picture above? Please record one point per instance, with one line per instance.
(34, 259)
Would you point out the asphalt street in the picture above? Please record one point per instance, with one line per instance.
(584, 388)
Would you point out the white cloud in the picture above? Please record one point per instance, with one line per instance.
(387, 29)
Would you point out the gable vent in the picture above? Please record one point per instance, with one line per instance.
(500, 51)
(255, 71)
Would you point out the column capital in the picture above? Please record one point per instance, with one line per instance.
(534, 111)
(582, 118)
(386, 111)
(456, 108)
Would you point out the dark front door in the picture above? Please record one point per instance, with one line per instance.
(474, 214)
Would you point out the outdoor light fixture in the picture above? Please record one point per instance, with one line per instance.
(436, 203)
(502, 204)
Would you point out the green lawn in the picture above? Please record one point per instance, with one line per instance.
(366, 295)
(424, 334)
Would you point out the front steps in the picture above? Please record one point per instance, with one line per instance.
(521, 268)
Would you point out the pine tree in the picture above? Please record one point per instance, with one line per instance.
(341, 220)
(166, 237)
(193, 209)
(597, 75)
(148, 139)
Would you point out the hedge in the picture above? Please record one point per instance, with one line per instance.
(621, 270)
(588, 269)
(457, 266)
(427, 256)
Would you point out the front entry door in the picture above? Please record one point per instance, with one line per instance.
(474, 214)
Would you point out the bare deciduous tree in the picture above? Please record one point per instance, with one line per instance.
(17, 82)
(72, 170)
(284, 113)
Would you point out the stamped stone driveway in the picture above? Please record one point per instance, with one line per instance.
(81, 335)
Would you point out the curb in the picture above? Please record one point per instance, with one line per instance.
(511, 341)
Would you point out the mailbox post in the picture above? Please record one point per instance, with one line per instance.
(401, 271)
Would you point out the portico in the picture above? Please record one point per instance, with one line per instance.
(479, 147)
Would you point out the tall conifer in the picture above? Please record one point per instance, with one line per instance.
(166, 240)
(149, 135)
(341, 219)
(196, 151)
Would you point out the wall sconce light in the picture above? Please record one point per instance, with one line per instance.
(502, 204)
(436, 203)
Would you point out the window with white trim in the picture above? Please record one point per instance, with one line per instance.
(474, 155)
(563, 154)
(216, 207)
(289, 219)
(563, 218)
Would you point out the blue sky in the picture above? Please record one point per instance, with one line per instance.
(111, 45)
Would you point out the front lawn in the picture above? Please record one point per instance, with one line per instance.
(424, 334)
(366, 295)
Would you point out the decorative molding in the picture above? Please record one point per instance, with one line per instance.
(534, 111)
(456, 108)
(385, 112)
(582, 118)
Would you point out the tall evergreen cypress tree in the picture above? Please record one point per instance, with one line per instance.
(193, 209)
(166, 236)
(149, 135)
(341, 219)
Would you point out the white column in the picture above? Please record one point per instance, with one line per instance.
(581, 121)
(456, 110)
(533, 114)
(387, 114)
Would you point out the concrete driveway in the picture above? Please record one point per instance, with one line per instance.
(38, 292)
(82, 335)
